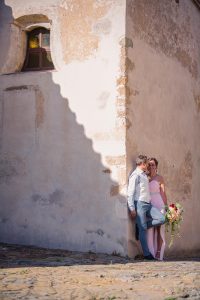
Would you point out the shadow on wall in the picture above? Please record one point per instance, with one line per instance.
(6, 19)
(54, 189)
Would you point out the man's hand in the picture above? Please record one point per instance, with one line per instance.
(133, 214)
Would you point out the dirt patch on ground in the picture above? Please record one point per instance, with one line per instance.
(35, 273)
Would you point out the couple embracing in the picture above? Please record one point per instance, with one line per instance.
(146, 201)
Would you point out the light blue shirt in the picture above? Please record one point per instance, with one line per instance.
(138, 188)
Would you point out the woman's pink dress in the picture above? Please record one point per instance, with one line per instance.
(156, 201)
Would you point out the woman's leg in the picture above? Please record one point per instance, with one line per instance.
(159, 241)
(150, 240)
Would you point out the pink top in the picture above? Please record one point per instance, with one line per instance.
(156, 199)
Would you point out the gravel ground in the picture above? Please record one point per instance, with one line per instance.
(35, 273)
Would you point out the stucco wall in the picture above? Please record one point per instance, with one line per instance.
(62, 161)
(126, 81)
(163, 103)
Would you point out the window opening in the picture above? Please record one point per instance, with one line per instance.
(38, 55)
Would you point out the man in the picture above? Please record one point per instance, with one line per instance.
(139, 203)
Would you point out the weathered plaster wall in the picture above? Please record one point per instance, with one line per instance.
(163, 117)
(62, 160)
(68, 137)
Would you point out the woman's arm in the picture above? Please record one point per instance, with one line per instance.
(162, 190)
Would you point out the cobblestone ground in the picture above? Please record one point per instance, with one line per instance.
(34, 273)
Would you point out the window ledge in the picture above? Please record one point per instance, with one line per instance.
(29, 72)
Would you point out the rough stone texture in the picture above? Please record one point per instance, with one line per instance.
(163, 103)
(176, 37)
(30, 273)
(81, 27)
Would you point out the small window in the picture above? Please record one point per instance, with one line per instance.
(38, 56)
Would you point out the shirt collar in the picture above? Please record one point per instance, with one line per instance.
(139, 171)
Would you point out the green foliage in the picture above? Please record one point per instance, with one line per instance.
(173, 219)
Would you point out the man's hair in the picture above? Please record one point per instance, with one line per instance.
(141, 159)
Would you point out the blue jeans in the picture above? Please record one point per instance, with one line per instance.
(147, 216)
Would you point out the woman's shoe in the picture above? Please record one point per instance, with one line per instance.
(158, 255)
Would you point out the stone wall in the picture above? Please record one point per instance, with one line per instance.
(62, 162)
(126, 81)
(162, 102)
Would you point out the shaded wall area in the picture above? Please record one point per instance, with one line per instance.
(163, 92)
(54, 191)
(62, 159)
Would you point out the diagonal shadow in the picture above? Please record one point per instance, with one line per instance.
(17, 256)
(55, 192)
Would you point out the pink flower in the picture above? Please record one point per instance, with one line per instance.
(173, 218)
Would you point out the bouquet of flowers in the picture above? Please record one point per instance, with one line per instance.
(173, 218)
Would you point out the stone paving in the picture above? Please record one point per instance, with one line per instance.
(35, 273)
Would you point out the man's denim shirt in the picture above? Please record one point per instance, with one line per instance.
(138, 188)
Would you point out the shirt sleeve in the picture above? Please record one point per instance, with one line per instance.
(131, 191)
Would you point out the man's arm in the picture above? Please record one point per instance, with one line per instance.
(130, 194)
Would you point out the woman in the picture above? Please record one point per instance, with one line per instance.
(156, 235)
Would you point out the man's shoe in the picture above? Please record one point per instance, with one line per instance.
(139, 257)
(149, 257)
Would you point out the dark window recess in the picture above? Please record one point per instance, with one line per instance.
(38, 55)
